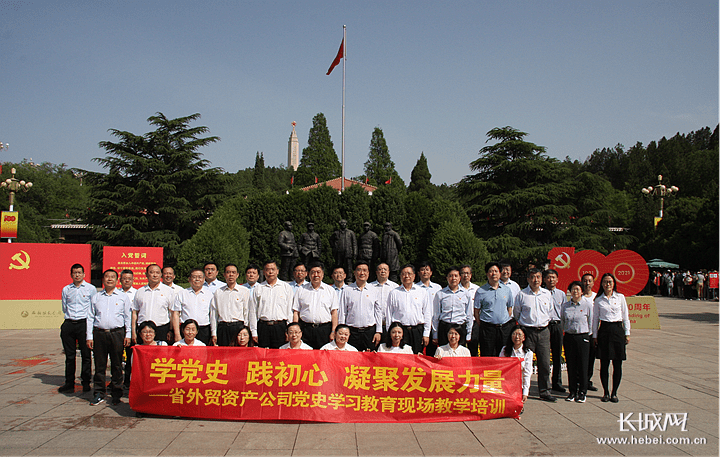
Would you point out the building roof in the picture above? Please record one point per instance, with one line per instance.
(336, 184)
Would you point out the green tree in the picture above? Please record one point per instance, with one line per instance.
(57, 195)
(221, 239)
(319, 159)
(259, 172)
(379, 168)
(455, 244)
(158, 189)
(420, 178)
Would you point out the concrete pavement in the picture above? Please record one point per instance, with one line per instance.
(669, 372)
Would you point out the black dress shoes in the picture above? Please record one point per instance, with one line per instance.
(614, 399)
(547, 397)
(66, 388)
(559, 388)
(605, 398)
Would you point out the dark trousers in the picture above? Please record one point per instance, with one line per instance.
(228, 331)
(362, 338)
(493, 337)
(538, 340)
(591, 362)
(162, 334)
(413, 335)
(316, 335)
(271, 334)
(474, 340)
(577, 350)
(556, 347)
(108, 343)
(204, 334)
(72, 335)
(128, 363)
(444, 328)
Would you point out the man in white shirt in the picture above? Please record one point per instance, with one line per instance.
(588, 282)
(155, 302)
(211, 281)
(384, 286)
(270, 309)
(505, 274)
(194, 303)
(299, 275)
(532, 312)
(252, 275)
(550, 278)
(168, 278)
(425, 272)
(466, 283)
(338, 277)
(229, 308)
(75, 300)
(315, 307)
(451, 305)
(361, 310)
(410, 305)
(126, 282)
(108, 332)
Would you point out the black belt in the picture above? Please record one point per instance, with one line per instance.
(308, 324)
(537, 329)
(109, 330)
(494, 325)
(283, 322)
(361, 329)
(76, 321)
(228, 324)
(554, 322)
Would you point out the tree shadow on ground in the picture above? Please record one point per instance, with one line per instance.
(697, 317)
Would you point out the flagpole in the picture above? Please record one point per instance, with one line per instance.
(342, 185)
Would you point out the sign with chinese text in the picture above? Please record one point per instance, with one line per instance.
(8, 224)
(32, 277)
(642, 312)
(135, 259)
(713, 280)
(322, 386)
(628, 267)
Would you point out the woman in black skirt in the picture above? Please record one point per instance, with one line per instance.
(611, 333)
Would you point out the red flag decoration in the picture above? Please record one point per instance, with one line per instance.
(322, 386)
(292, 180)
(388, 181)
(340, 55)
(315, 179)
(366, 180)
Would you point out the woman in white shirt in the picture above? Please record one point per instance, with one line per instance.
(189, 330)
(340, 343)
(453, 348)
(293, 333)
(515, 347)
(394, 341)
(147, 331)
(611, 333)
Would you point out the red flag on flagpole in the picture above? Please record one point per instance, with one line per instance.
(292, 180)
(388, 181)
(340, 55)
(315, 179)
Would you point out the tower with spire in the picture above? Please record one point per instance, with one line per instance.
(293, 149)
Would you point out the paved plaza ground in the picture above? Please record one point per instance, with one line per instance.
(669, 371)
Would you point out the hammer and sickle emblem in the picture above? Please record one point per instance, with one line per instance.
(563, 260)
(23, 264)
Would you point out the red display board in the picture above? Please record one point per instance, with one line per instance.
(628, 267)
(322, 386)
(39, 271)
(132, 258)
(713, 280)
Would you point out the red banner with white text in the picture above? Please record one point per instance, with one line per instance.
(322, 386)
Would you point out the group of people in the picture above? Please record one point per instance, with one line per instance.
(686, 284)
(458, 320)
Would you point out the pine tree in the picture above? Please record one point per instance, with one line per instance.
(259, 172)
(420, 177)
(157, 190)
(379, 168)
(319, 159)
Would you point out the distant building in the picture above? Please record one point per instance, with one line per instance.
(336, 184)
(293, 149)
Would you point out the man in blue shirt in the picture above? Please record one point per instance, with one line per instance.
(493, 312)
(75, 304)
(108, 332)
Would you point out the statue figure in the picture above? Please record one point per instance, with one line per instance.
(368, 246)
(390, 250)
(288, 252)
(344, 247)
(310, 245)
